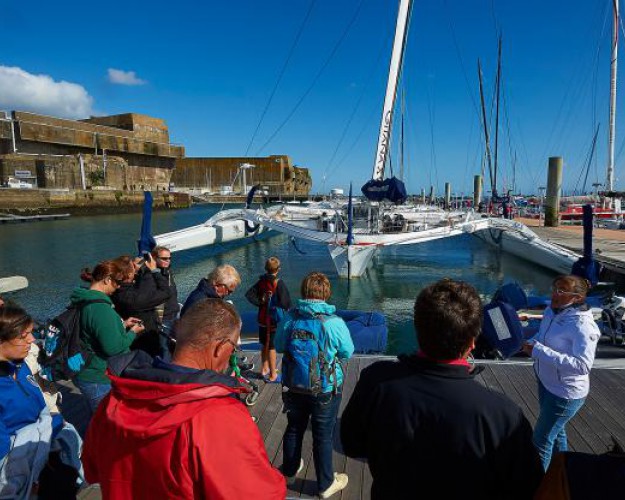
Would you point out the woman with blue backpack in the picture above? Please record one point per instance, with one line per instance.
(314, 342)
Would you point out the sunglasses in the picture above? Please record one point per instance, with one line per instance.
(117, 282)
(164, 258)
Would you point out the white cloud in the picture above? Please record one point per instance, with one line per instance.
(124, 77)
(24, 91)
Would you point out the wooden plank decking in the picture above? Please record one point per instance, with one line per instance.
(601, 419)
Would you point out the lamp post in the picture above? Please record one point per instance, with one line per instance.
(244, 167)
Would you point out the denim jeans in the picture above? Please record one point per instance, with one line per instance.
(550, 430)
(322, 411)
(94, 392)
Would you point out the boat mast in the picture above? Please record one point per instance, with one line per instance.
(498, 85)
(609, 183)
(397, 57)
(485, 122)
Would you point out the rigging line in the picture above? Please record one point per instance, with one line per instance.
(282, 72)
(353, 114)
(432, 148)
(316, 78)
(462, 66)
(565, 95)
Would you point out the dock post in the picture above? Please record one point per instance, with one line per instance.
(554, 185)
(447, 195)
(477, 191)
(422, 196)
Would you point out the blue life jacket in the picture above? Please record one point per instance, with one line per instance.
(306, 368)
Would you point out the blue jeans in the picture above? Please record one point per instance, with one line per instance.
(322, 411)
(550, 430)
(94, 392)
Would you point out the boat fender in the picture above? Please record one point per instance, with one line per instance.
(251, 228)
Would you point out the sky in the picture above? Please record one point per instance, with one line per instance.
(306, 78)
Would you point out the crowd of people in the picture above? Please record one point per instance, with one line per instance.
(164, 387)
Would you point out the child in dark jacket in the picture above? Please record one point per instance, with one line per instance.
(259, 294)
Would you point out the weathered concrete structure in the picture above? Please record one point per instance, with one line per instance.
(276, 174)
(123, 152)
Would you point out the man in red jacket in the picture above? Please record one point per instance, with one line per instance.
(177, 430)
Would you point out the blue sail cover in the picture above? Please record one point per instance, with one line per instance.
(391, 189)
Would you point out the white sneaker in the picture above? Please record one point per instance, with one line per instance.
(340, 481)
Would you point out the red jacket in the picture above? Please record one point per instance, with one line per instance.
(163, 433)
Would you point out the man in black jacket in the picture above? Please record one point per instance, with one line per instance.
(162, 258)
(425, 425)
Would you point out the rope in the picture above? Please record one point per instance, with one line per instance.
(295, 246)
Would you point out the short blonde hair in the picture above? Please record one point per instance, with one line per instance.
(225, 275)
(272, 265)
(316, 286)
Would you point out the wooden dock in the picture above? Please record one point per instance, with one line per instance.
(592, 430)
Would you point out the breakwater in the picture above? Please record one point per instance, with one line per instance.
(84, 202)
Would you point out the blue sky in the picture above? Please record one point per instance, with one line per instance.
(209, 70)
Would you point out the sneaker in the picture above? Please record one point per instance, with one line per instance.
(245, 367)
(242, 359)
(340, 481)
(299, 469)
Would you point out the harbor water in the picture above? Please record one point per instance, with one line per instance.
(51, 255)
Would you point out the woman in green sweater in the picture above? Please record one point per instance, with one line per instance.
(103, 331)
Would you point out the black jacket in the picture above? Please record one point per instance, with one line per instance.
(429, 428)
(283, 298)
(203, 290)
(139, 299)
(171, 305)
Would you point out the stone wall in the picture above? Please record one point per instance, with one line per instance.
(210, 174)
(27, 201)
(63, 172)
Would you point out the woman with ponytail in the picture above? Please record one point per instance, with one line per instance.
(563, 351)
(102, 330)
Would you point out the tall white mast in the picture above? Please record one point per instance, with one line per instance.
(609, 183)
(391, 89)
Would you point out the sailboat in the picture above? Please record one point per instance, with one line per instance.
(352, 241)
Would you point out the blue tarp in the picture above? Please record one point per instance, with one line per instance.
(391, 189)
(367, 328)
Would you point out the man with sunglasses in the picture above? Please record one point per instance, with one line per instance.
(178, 430)
(162, 258)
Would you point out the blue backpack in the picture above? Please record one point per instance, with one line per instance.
(306, 368)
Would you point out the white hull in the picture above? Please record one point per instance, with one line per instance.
(516, 239)
(224, 227)
(352, 261)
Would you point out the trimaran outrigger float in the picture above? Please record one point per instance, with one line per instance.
(383, 221)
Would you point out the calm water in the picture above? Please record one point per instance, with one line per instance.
(51, 254)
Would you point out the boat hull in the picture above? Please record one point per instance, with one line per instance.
(516, 239)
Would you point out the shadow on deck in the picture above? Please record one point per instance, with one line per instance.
(591, 431)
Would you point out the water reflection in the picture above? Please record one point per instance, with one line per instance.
(51, 255)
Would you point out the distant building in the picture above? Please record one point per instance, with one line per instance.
(274, 174)
(127, 151)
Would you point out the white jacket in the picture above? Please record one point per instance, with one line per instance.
(564, 352)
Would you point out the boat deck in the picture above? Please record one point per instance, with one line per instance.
(592, 430)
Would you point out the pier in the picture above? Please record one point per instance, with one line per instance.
(592, 430)
(608, 245)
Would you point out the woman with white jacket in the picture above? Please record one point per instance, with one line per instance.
(563, 351)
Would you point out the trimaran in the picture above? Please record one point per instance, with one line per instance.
(353, 240)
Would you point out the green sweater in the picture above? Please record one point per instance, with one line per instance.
(103, 332)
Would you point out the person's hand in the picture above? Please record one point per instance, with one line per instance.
(528, 348)
(132, 321)
(138, 328)
(150, 263)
